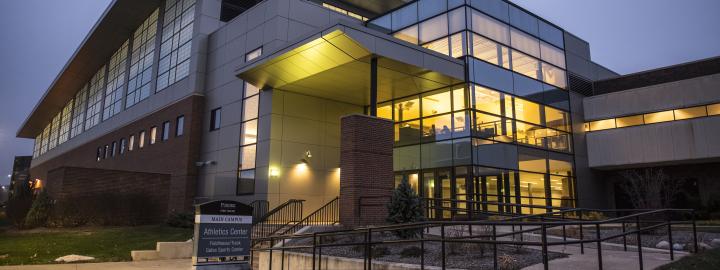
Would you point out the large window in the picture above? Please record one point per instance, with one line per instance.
(78, 118)
(175, 50)
(45, 139)
(180, 126)
(54, 131)
(116, 82)
(248, 141)
(215, 117)
(153, 135)
(165, 131)
(66, 118)
(95, 99)
(141, 60)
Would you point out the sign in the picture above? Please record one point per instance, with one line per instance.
(222, 233)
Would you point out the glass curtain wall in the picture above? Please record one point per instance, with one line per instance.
(502, 141)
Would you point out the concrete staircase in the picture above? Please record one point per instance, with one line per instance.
(164, 251)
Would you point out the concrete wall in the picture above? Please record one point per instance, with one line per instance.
(294, 260)
(672, 95)
(682, 141)
(271, 24)
(298, 123)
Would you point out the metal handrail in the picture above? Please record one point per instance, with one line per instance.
(539, 228)
(260, 209)
(328, 214)
(284, 214)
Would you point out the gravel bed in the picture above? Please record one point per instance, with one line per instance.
(458, 255)
(683, 237)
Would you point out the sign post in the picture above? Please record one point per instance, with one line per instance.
(222, 235)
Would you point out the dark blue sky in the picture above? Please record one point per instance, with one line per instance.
(38, 37)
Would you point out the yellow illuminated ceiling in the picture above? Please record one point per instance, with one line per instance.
(336, 66)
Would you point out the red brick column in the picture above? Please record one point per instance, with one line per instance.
(366, 169)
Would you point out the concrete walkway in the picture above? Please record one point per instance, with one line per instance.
(182, 264)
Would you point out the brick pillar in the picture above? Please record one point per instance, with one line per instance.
(366, 169)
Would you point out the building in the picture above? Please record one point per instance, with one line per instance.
(20, 172)
(190, 100)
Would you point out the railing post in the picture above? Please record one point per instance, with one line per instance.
(271, 251)
(669, 226)
(369, 248)
(599, 245)
(582, 235)
(639, 241)
(314, 245)
(694, 228)
(562, 216)
(282, 256)
(624, 236)
(442, 244)
(494, 239)
(543, 239)
(422, 249)
(319, 252)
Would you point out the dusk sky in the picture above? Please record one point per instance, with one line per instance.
(39, 36)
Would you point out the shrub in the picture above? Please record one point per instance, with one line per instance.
(507, 262)
(39, 212)
(19, 203)
(405, 207)
(181, 220)
(105, 210)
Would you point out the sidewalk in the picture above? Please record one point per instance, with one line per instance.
(182, 264)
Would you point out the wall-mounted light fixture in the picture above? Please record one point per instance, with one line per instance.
(274, 172)
(306, 157)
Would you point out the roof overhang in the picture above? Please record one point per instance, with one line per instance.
(335, 63)
(114, 27)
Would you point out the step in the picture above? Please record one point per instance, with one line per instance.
(144, 255)
(164, 251)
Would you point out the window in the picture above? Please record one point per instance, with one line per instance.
(153, 135)
(602, 124)
(404, 16)
(45, 139)
(525, 42)
(250, 107)
(434, 28)
(527, 111)
(54, 131)
(65, 122)
(123, 146)
(407, 109)
(116, 82)
(131, 143)
(409, 34)
(252, 55)
(99, 154)
(246, 182)
(436, 103)
(95, 99)
(247, 157)
(490, 27)
(487, 100)
(556, 119)
(249, 132)
(441, 46)
(407, 132)
(114, 149)
(78, 115)
(658, 117)
(180, 126)
(713, 109)
(490, 51)
(215, 119)
(629, 121)
(525, 65)
(552, 55)
(106, 151)
(174, 64)
(141, 60)
(384, 110)
(141, 139)
(689, 113)
(165, 131)
(553, 75)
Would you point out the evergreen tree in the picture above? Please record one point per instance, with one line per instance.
(39, 212)
(405, 207)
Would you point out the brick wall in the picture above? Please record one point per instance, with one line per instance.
(366, 169)
(173, 158)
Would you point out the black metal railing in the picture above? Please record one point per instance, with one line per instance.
(260, 209)
(327, 215)
(532, 232)
(288, 213)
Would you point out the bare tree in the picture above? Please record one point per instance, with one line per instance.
(650, 188)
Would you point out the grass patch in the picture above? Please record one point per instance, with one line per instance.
(105, 244)
(709, 259)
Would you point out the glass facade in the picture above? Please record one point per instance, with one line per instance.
(176, 43)
(500, 142)
(127, 76)
(654, 117)
(248, 140)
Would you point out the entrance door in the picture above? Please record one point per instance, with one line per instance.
(439, 191)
